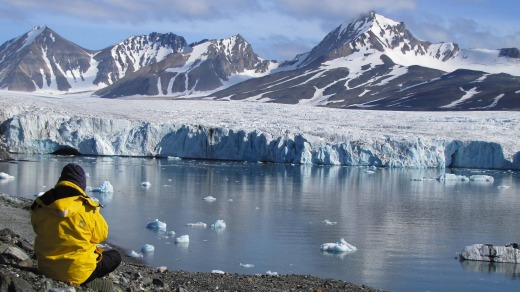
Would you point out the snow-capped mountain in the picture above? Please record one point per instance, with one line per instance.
(134, 53)
(371, 62)
(374, 62)
(43, 60)
(197, 70)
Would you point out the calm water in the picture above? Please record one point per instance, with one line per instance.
(408, 233)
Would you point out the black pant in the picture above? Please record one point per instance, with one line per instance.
(109, 262)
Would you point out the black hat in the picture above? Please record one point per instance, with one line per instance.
(75, 174)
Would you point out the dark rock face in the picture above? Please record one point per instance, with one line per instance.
(510, 53)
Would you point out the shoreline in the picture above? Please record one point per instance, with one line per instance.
(135, 275)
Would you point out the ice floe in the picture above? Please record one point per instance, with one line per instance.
(156, 225)
(4, 175)
(183, 239)
(106, 187)
(338, 247)
(219, 224)
(147, 248)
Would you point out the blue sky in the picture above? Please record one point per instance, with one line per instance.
(277, 29)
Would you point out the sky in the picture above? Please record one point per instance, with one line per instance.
(276, 29)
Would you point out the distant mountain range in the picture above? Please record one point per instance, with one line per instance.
(371, 63)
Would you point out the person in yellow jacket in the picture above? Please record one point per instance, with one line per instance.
(68, 226)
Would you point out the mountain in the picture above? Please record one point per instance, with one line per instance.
(40, 60)
(376, 63)
(201, 68)
(371, 62)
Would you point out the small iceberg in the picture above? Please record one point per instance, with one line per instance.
(135, 254)
(198, 224)
(147, 248)
(508, 253)
(327, 222)
(272, 273)
(156, 225)
(182, 239)
(452, 177)
(210, 199)
(338, 247)
(146, 184)
(5, 176)
(219, 224)
(106, 187)
(482, 178)
(170, 233)
(246, 265)
(217, 272)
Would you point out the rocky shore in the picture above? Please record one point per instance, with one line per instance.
(18, 267)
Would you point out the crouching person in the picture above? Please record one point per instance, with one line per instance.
(68, 226)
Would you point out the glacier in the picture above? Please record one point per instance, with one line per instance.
(258, 132)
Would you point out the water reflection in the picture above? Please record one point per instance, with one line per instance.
(509, 269)
(406, 225)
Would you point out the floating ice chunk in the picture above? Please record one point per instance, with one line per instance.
(369, 171)
(422, 179)
(452, 177)
(503, 187)
(482, 178)
(156, 225)
(272, 273)
(198, 224)
(4, 175)
(135, 254)
(218, 272)
(246, 265)
(219, 224)
(147, 248)
(106, 187)
(182, 239)
(209, 199)
(327, 222)
(170, 233)
(340, 246)
(146, 184)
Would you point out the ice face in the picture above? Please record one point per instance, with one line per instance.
(262, 133)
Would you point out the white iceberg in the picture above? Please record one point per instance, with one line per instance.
(210, 199)
(452, 177)
(4, 175)
(482, 178)
(272, 273)
(146, 184)
(246, 265)
(198, 224)
(508, 253)
(217, 272)
(327, 222)
(219, 224)
(135, 254)
(170, 233)
(156, 225)
(106, 187)
(338, 247)
(147, 248)
(182, 239)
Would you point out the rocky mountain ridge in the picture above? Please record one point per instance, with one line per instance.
(371, 62)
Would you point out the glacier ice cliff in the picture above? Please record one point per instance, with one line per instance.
(31, 131)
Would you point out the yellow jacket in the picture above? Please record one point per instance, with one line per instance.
(68, 225)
